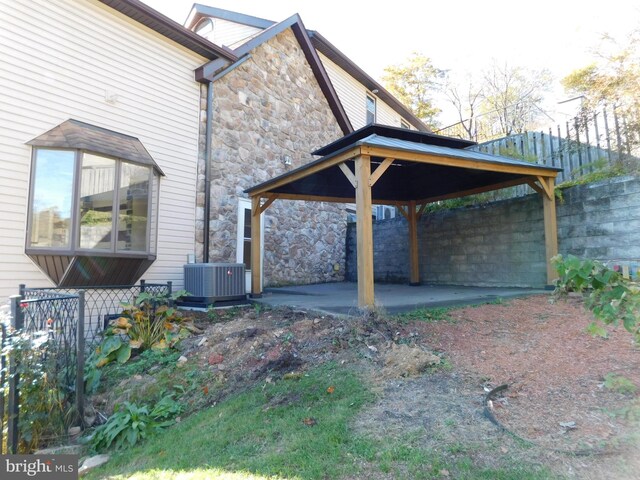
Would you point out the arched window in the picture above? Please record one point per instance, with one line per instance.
(205, 28)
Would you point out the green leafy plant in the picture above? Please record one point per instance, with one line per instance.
(612, 298)
(130, 423)
(113, 349)
(150, 322)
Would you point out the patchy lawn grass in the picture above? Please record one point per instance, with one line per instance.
(293, 429)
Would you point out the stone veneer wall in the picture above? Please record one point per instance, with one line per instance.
(268, 107)
(502, 243)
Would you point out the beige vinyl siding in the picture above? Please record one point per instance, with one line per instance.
(352, 95)
(387, 115)
(350, 92)
(230, 33)
(62, 59)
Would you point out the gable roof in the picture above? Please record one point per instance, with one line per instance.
(317, 41)
(142, 13)
(340, 59)
(295, 24)
(199, 11)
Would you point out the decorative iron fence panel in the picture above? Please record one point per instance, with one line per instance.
(53, 319)
(102, 304)
(72, 320)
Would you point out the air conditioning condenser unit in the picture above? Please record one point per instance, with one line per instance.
(215, 282)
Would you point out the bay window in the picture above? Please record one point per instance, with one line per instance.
(112, 212)
(92, 210)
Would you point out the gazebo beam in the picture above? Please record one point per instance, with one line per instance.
(473, 191)
(375, 176)
(364, 232)
(452, 161)
(256, 267)
(550, 225)
(413, 244)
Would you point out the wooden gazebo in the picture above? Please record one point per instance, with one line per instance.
(407, 169)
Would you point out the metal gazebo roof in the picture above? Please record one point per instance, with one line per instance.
(409, 169)
(425, 168)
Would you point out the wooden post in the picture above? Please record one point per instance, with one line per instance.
(550, 225)
(413, 244)
(256, 270)
(364, 230)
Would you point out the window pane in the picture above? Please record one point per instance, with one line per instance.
(153, 220)
(246, 254)
(97, 186)
(52, 198)
(247, 223)
(133, 204)
(371, 110)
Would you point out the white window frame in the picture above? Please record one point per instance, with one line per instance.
(245, 203)
(372, 97)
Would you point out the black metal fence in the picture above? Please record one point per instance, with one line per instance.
(72, 321)
(102, 304)
(57, 320)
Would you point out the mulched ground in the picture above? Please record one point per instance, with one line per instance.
(554, 369)
(555, 372)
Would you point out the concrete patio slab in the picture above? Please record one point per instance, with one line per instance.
(342, 298)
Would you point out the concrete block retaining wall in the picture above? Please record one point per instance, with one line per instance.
(502, 243)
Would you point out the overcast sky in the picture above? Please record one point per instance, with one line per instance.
(458, 35)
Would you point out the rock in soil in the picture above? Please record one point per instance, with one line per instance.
(61, 450)
(91, 463)
(215, 359)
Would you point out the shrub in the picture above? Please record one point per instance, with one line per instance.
(147, 323)
(150, 322)
(612, 298)
(45, 409)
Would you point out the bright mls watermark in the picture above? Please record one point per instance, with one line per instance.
(50, 467)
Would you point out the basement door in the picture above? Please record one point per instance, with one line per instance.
(243, 249)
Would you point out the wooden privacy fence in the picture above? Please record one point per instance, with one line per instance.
(57, 320)
(578, 147)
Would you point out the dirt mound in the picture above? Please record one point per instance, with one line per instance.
(407, 361)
